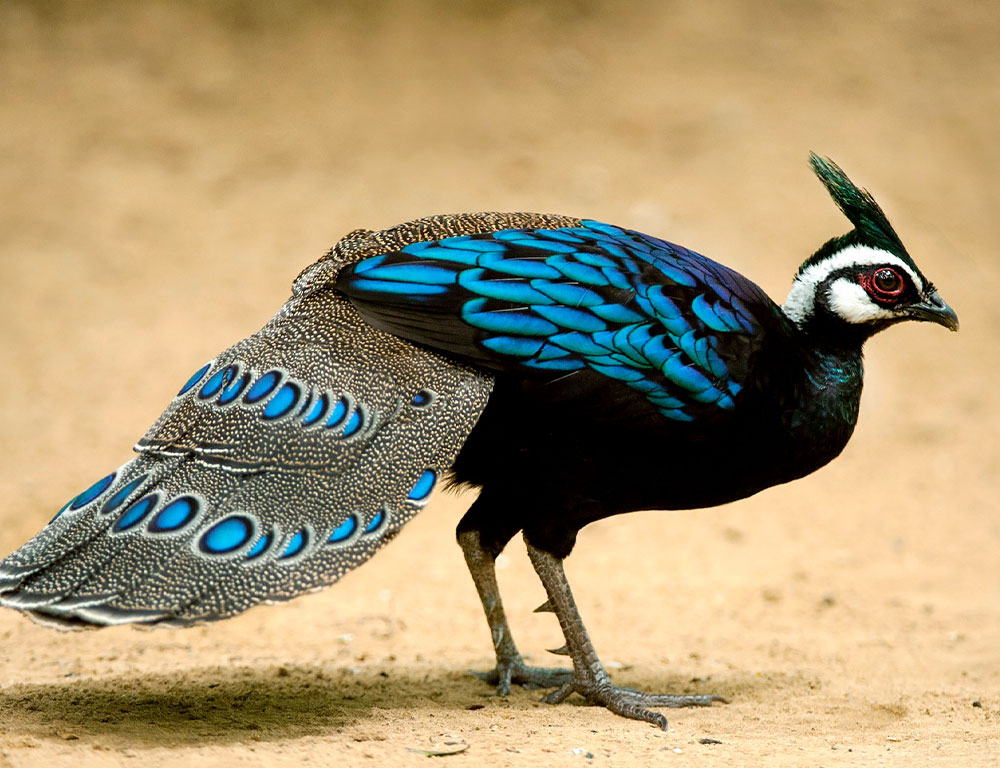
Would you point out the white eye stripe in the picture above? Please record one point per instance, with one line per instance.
(801, 301)
(851, 302)
(856, 255)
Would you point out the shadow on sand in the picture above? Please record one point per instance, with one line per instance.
(218, 704)
(221, 705)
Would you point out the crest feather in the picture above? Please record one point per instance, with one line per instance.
(857, 204)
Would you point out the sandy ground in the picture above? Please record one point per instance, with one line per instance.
(165, 171)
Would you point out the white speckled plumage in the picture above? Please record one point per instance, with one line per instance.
(284, 476)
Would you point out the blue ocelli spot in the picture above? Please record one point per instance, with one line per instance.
(175, 515)
(227, 535)
(338, 413)
(261, 546)
(219, 379)
(283, 401)
(195, 378)
(92, 492)
(296, 544)
(424, 485)
(354, 424)
(136, 513)
(376, 522)
(344, 531)
(121, 496)
(64, 508)
(307, 401)
(318, 409)
(234, 389)
(422, 398)
(262, 387)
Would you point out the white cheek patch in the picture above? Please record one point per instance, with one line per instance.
(852, 303)
(801, 302)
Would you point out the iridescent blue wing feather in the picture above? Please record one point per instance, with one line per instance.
(663, 321)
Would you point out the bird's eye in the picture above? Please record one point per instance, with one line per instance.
(887, 282)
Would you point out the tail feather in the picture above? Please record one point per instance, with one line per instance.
(73, 529)
(286, 462)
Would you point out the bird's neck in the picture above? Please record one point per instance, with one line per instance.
(828, 391)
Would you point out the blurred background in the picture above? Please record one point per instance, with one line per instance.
(166, 169)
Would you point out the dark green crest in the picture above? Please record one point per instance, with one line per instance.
(871, 227)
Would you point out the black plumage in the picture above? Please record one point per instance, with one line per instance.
(570, 370)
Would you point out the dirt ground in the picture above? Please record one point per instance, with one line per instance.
(167, 169)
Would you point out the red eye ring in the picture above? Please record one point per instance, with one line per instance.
(887, 283)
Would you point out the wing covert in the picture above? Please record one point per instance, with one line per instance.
(664, 321)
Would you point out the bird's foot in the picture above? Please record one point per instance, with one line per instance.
(629, 702)
(516, 672)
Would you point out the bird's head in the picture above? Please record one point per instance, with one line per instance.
(864, 281)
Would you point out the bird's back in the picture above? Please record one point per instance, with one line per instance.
(631, 373)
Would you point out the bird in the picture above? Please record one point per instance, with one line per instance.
(569, 370)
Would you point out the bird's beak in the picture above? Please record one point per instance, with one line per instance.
(933, 309)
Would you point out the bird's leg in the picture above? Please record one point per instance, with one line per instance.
(510, 666)
(590, 678)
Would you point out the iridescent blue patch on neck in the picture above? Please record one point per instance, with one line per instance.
(376, 522)
(282, 402)
(136, 513)
(195, 378)
(175, 515)
(296, 544)
(93, 492)
(424, 485)
(227, 535)
(344, 531)
(122, 494)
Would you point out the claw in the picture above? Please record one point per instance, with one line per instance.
(589, 678)
(561, 651)
(560, 694)
(545, 607)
